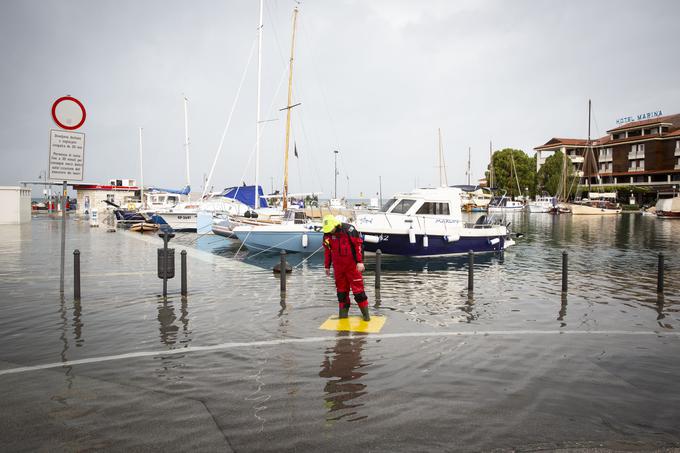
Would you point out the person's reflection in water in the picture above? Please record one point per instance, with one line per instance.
(341, 366)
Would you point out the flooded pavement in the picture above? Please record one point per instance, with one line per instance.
(234, 366)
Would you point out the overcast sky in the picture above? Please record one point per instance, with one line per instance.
(375, 80)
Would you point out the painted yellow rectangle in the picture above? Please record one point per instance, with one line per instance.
(354, 324)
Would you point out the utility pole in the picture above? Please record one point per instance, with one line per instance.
(336, 173)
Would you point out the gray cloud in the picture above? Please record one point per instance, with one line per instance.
(376, 79)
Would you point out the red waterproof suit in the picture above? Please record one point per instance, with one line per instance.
(342, 248)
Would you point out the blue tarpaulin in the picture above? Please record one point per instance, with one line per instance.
(246, 195)
(184, 191)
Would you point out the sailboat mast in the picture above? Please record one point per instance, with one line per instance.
(289, 107)
(141, 170)
(468, 170)
(589, 151)
(186, 138)
(257, 122)
(439, 157)
(491, 172)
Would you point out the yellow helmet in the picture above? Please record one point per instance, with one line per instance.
(329, 223)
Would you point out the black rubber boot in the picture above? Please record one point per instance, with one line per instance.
(343, 311)
(364, 313)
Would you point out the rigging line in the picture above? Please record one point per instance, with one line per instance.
(262, 130)
(307, 259)
(317, 78)
(231, 114)
(311, 153)
(270, 248)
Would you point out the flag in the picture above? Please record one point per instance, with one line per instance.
(295, 149)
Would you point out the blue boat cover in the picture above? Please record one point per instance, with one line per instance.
(246, 195)
(184, 191)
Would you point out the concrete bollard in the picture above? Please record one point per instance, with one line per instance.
(471, 271)
(378, 267)
(76, 274)
(184, 272)
(565, 267)
(283, 272)
(659, 275)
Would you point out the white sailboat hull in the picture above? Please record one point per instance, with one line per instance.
(580, 209)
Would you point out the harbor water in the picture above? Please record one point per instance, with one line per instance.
(237, 366)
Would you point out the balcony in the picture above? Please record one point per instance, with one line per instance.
(607, 158)
(677, 152)
(576, 159)
(636, 169)
(636, 155)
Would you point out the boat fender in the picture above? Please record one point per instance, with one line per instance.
(371, 239)
(305, 241)
(494, 241)
(411, 236)
(426, 242)
(452, 238)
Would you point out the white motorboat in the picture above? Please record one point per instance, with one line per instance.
(504, 204)
(428, 222)
(543, 204)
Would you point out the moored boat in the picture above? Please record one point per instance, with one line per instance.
(428, 222)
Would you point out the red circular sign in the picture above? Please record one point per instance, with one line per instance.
(68, 112)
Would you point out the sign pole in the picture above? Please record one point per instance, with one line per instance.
(63, 239)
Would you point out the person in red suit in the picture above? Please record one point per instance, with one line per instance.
(342, 248)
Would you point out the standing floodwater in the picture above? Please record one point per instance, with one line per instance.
(236, 366)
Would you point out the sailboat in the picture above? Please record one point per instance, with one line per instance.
(297, 232)
(596, 203)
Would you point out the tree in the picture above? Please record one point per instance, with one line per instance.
(506, 176)
(549, 177)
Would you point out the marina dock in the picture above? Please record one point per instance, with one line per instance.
(236, 366)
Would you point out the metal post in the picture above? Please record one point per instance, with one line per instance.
(659, 276)
(283, 271)
(76, 274)
(471, 271)
(184, 272)
(165, 264)
(63, 239)
(378, 267)
(565, 266)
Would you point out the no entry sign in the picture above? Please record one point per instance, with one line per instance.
(68, 112)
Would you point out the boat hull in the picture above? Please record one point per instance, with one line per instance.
(180, 221)
(399, 244)
(579, 209)
(668, 214)
(275, 241)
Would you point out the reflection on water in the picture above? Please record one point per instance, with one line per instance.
(341, 367)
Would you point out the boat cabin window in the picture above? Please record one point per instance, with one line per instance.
(432, 208)
(297, 217)
(388, 204)
(402, 206)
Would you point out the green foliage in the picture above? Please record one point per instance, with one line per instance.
(504, 178)
(550, 175)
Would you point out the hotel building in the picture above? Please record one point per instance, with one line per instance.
(640, 153)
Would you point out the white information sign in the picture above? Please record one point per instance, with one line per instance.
(67, 155)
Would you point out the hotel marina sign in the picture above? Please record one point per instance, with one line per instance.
(640, 117)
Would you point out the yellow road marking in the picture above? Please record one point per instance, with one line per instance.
(354, 324)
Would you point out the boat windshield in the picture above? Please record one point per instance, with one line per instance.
(388, 204)
(402, 206)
